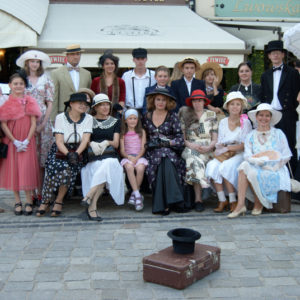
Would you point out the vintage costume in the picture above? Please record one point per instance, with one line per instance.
(105, 168)
(272, 176)
(227, 169)
(19, 170)
(198, 131)
(43, 92)
(58, 171)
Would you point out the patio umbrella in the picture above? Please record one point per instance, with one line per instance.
(292, 40)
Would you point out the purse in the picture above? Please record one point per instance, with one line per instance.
(3, 150)
(89, 156)
(224, 156)
(72, 147)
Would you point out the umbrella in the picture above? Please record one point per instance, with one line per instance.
(292, 40)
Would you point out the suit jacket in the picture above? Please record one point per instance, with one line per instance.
(180, 90)
(148, 90)
(64, 87)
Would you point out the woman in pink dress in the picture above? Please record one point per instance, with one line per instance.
(20, 169)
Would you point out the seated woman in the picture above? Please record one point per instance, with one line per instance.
(200, 127)
(229, 150)
(166, 169)
(104, 167)
(72, 133)
(266, 153)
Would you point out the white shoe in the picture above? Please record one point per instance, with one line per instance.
(235, 214)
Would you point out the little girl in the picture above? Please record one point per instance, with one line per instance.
(20, 169)
(132, 148)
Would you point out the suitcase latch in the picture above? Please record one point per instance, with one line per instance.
(189, 272)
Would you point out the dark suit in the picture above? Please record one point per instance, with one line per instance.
(151, 89)
(288, 90)
(180, 90)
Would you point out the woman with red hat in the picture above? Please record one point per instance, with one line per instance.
(200, 128)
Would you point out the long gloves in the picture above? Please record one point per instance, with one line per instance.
(99, 148)
(21, 146)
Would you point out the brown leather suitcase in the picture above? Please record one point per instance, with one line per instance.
(181, 270)
(283, 204)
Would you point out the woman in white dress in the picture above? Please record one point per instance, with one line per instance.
(229, 150)
(266, 153)
(104, 168)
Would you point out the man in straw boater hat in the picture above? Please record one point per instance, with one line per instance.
(69, 78)
(183, 88)
(280, 86)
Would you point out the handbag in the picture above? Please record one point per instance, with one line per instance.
(295, 184)
(224, 156)
(3, 150)
(89, 155)
(72, 147)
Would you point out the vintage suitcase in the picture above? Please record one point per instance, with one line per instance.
(283, 204)
(181, 270)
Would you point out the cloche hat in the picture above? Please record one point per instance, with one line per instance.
(76, 97)
(233, 96)
(276, 115)
(34, 54)
(197, 94)
(100, 98)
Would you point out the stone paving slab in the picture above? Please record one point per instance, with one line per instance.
(72, 258)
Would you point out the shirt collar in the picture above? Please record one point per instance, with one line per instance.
(146, 75)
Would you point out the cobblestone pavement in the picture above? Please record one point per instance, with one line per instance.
(72, 258)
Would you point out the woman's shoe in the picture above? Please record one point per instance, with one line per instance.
(42, 212)
(26, 212)
(235, 214)
(54, 212)
(257, 212)
(131, 200)
(18, 212)
(97, 218)
(233, 206)
(86, 201)
(139, 203)
(222, 206)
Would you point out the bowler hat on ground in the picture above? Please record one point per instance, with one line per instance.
(275, 46)
(76, 97)
(139, 53)
(184, 240)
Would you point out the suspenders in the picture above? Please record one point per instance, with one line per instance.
(133, 90)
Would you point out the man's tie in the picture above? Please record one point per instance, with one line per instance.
(277, 69)
(73, 68)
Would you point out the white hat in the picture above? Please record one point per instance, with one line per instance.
(233, 96)
(34, 54)
(100, 98)
(276, 115)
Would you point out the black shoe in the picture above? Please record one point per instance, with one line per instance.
(97, 218)
(26, 212)
(18, 212)
(54, 212)
(199, 207)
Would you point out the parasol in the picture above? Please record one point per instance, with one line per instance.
(292, 40)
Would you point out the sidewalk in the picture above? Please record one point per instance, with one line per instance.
(72, 258)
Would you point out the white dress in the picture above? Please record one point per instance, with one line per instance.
(267, 182)
(227, 169)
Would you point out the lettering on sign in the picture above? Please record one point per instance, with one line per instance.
(221, 60)
(58, 59)
(129, 30)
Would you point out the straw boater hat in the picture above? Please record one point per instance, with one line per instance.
(73, 49)
(197, 94)
(189, 60)
(100, 98)
(34, 54)
(87, 91)
(233, 96)
(276, 115)
(211, 65)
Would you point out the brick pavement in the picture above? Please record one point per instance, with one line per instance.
(72, 258)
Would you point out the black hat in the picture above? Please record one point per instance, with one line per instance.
(184, 240)
(275, 46)
(161, 91)
(139, 53)
(76, 97)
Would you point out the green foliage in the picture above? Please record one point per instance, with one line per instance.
(257, 61)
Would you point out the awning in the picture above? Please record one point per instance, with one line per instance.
(170, 33)
(21, 22)
(256, 33)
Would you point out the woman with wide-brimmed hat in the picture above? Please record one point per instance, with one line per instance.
(200, 127)
(222, 170)
(266, 154)
(72, 131)
(41, 88)
(108, 82)
(103, 168)
(166, 168)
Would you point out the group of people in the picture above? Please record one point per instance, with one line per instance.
(184, 135)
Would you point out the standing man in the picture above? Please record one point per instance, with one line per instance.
(182, 88)
(68, 79)
(137, 80)
(280, 86)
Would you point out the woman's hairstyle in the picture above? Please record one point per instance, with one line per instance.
(19, 74)
(93, 111)
(163, 69)
(138, 128)
(206, 72)
(171, 104)
(108, 54)
(39, 72)
(176, 74)
(248, 64)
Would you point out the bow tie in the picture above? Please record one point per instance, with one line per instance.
(277, 69)
(73, 68)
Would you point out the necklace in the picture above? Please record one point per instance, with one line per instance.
(262, 136)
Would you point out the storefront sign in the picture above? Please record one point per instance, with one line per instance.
(165, 2)
(58, 59)
(258, 8)
(221, 60)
